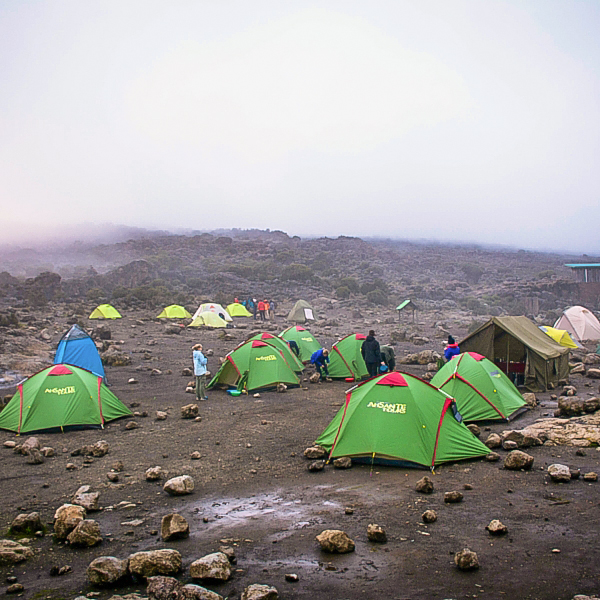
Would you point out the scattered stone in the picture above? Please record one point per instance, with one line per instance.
(179, 486)
(155, 372)
(195, 455)
(493, 441)
(66, 519)
(317, 465)
(154, 473)
(229, 552)
(466, 560)
(497, 528)
(10, 444)
(131, 425)
(118, 466)
(107, 570)
(517, 460)
(47, 452)
(453, 497)
(559, 473)
(15, 588)
(174, 527)
(26, 524)
(257, 395)
(155, 562)
(189, 411)
(257, 591)
(281, 388)
(492, 457)
(132, 381)
(97, 450)
(474, 429)
(591, 476)
(510, 445)
(575, 473)
(429, 516)
(211, 566)
(34, 457)
(349, 510)
(376, 533)
(315, 453)
(168, 588)
(593, 373)
(31, 443)
(112, 477)
(424, 485)
(89, 500)
(292, 577)
(334, 540)
(314, 378)
(530, 399)
(12, 553)
(86, 534)
(71, 467)
(344, 462)
(187, 372)
(161, 415)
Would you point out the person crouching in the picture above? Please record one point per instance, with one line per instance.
(320, 359)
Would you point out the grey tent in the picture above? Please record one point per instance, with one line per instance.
(302, 312)
(520, 349)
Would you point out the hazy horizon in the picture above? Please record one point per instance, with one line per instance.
(452, 122)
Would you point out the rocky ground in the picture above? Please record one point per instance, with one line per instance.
(254, 497)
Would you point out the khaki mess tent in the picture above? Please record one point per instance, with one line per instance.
(235, 309)
(174, 311)
(214, 308)
(581, 323)
(105, 311)
(518, 347)
(302, 312)
(208, 319)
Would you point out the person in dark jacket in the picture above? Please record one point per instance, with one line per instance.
(451, 350)
(388, 357)
(320, 359)
(293, 347)
(371, 354)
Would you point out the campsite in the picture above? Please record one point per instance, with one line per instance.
(253, 493)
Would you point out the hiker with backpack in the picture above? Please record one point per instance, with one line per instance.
(371, 354)
(320, 359)
(451, 350)
(388, 358)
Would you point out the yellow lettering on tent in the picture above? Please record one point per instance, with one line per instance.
(307, 339)
(399, 409)
(268, 357)
(70, 389)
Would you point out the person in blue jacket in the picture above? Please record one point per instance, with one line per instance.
(451, 349)
(320, 359)
(200, 362)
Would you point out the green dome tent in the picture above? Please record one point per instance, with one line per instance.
(345, 359)
(481, 390)
(304, 338)
(174, 311)
(302, 312)
(105, 311)
(254, 365)
(236, 309)
(292, 360)
(61, 396)
(402, 420)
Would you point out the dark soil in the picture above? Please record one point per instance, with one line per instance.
(254, 490)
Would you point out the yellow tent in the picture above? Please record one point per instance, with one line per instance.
(105, 311)
(238, 310)
(209, 319)
(560, 335)
(174, 311)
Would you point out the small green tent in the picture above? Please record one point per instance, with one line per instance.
(345, 358)
(481, 390)
(174, 311)
(302, 312)
(399, 419)
(238, 310)
(61, 396)
(105, 311)
(292, 360)
(208, 319)
(307, 343)
(254, 365)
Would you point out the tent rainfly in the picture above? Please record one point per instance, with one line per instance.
(214, 308)
(518, 347)
(560, 336)
(77, 348)
(174, 311)
(307, 342)
(302, 312)
(105, 311)
(581, 323)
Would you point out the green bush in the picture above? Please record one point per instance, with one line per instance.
(351, 283)
(377, 297)
(342, 292)
(297, 272)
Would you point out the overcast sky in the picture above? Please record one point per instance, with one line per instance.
(474, 120)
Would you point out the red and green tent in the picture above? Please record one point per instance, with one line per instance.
(345, 358)
(61, 396)
(306, 341)
(292, 360)
(481, 390)
(254, 365)
(399, 419)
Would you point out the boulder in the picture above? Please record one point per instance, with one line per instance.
(453, 497)
(179, 486)
(530, 399)
(31, 443)
(376, 533)
(161, 415)
(429, 516)
(113, 357)
(344, 462)
(315, 453)
(474, 429)
(66, 519)
(155, 562)
(211, 566)
(424, 485)
(517, 460)
(497, 528)
(83, 497)
(47, 452)
(493, 441)
(86, 534)
(97, 450)
(34, 457)
(12, 553)
(314, 378)
(559, 473)
(591, 476)
(466, 560)
(513, 436)
(570, 406)
(317, 465)
(169, 588)
(154, 473)
(258, 591)
(26, 524)
(107, 570)
(334, 540)
(577, 368)
(593, 373)
(591, 359)
(189, 411)
(174, 527)
(492, 457)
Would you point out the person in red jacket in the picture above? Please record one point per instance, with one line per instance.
(262, 309)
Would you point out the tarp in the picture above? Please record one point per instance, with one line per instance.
(481, 390)
(307, 342)
(560, 336)
(254, 365)
(61, 396)
(214, 308)
(345, 358)
(77, 348)
(174, 311)
(238, 310)
(105, 311)
(209, 319)
(516, 345)
(302, 312)
(292, 360)
(581, 323)
(401, 419)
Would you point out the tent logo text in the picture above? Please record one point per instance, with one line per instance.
(70, 389)
(307, 339)
(269, 357)
(387, 407)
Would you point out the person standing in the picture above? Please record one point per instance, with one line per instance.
(320, 359)
(261, 310)
(388, 357)
(451, 350)
(371, 354)
(200, 362)
(254, 307)
(267, 309)
(272, 310)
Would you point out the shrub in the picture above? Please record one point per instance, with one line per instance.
(297, 272)
(351, 283)
(377, 297)
(342, 292)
